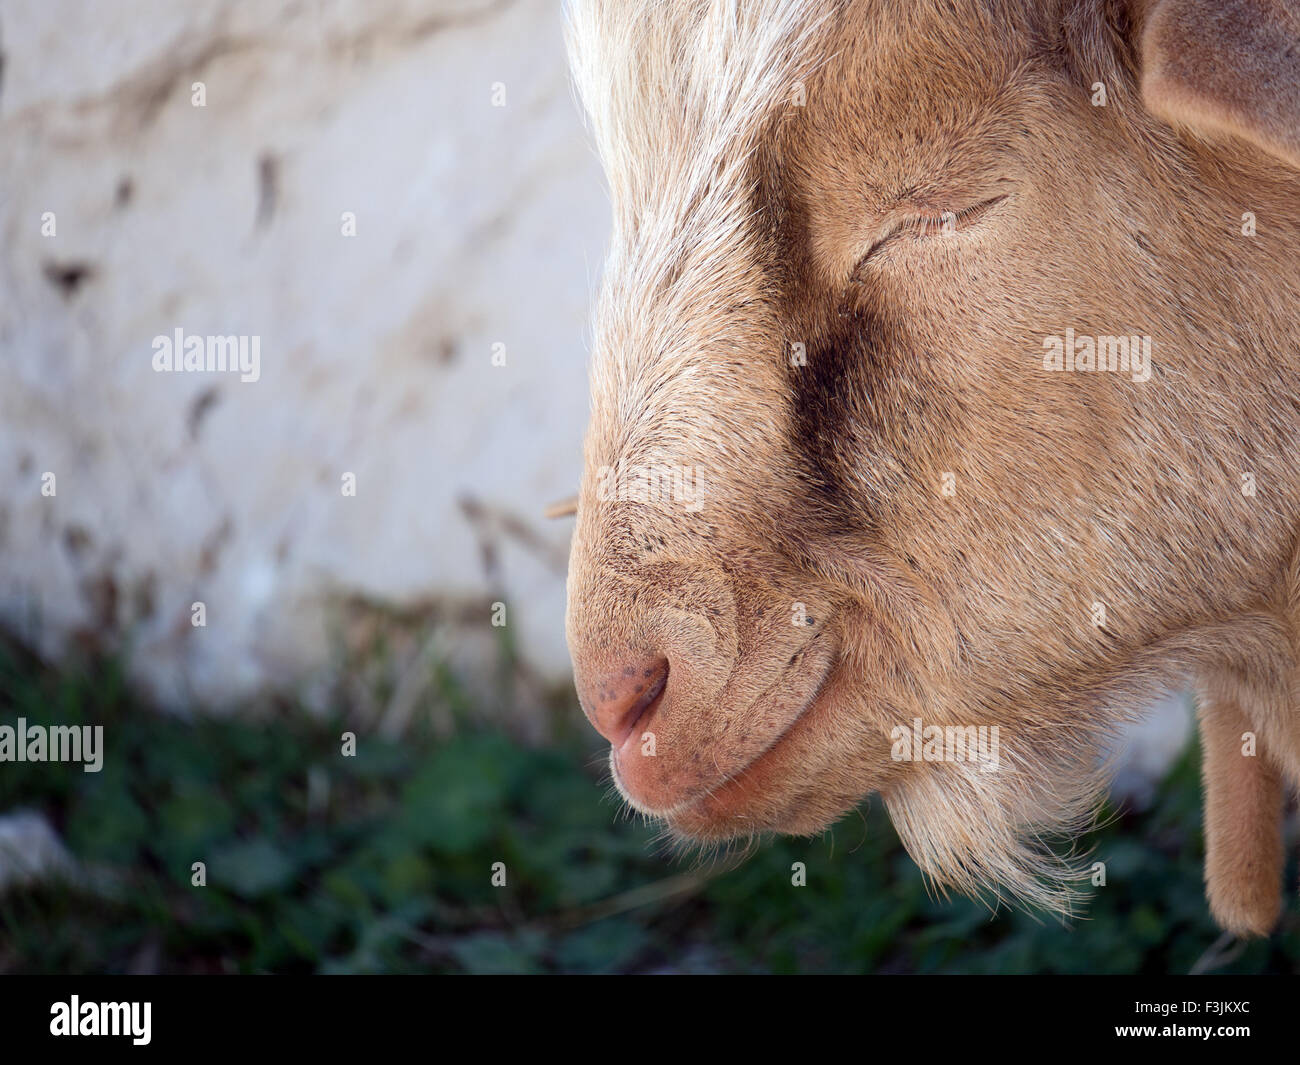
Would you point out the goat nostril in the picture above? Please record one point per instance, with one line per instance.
(622, 698)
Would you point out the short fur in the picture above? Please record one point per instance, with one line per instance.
(776, 168)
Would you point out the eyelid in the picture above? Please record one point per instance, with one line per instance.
(922, 225)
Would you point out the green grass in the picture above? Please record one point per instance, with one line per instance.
(383, 863)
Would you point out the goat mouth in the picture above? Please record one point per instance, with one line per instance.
(752, 770)
(688, 807)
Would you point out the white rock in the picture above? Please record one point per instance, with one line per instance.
(475, 225)
(30, 850)
(1148, 749)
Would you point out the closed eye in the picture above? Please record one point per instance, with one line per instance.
(923, 226)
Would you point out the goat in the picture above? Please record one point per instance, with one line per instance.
(851, 239)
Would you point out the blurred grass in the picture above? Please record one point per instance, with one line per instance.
(382, 862)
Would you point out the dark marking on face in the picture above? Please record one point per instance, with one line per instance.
(842, 345)
(863, 401)
(830, 415)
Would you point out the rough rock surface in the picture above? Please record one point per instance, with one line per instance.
(30, 850)
(129, 212)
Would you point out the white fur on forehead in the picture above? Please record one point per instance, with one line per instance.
(677, 92)
(677, 89)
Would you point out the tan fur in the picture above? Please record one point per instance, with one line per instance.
(1243, 817)
(756, 152)
(1227, 67)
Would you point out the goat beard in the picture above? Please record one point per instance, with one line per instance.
(994, 834)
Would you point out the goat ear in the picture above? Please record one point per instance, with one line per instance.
(1226, 67)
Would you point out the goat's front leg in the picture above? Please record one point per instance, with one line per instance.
(1244, 802)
